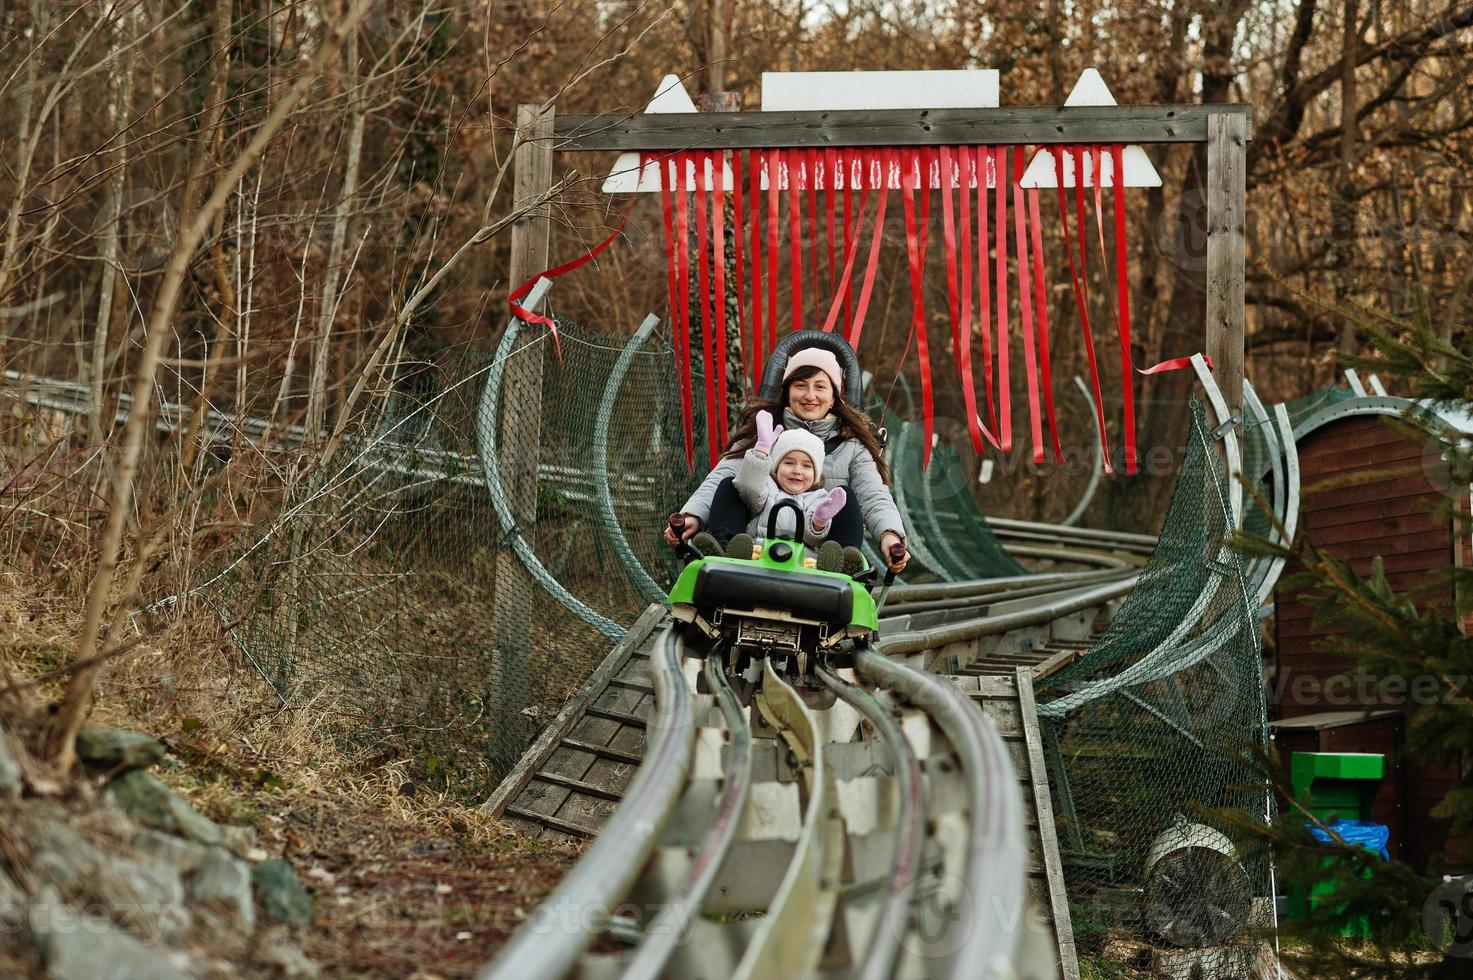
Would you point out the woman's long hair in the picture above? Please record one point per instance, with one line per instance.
(852, 425)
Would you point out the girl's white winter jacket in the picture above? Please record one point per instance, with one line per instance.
(761, 494)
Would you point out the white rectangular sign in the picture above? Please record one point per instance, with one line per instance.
(947, 89)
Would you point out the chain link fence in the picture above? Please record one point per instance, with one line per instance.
(1149, 731)
(389, 597)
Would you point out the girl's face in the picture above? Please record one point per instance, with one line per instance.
(794, 472)
(811, 398)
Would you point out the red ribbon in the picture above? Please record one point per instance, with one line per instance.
(810, 176)
(841, 291)
(795, 233)
(774, 159)
(948, 235)
(1004, 390)
(680, 307)
(961, 319)
(531, 316)
(830, 161)
(847, 164)
(1081, 301)
(1025, 304)
(1040, 296)
(666, 211)
(754, 172)
(708, 340)
(1122, 319)
(871, 160)
(981, 156)
(915, 250)
(718, 252)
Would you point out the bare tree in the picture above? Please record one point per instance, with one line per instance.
(77, 700)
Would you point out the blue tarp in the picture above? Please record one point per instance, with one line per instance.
(1371, 836)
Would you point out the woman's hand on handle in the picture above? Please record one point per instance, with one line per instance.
(888, 550)
(766, 433)
(686, 524)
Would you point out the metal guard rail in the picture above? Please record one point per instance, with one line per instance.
(917, 641)
(997, 852)
(614, 858)
(486, 419)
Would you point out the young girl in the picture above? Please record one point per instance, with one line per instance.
(784, 464)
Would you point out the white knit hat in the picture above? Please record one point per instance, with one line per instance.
(800, 440)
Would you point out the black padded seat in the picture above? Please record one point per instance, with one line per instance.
(777, 362)
(818, 597)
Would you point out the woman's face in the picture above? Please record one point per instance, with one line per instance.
(811, 398)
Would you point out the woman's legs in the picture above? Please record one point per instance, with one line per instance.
(729, 513)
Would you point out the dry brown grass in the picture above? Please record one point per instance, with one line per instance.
(376, 849)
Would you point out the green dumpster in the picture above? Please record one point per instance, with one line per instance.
(1332, 786)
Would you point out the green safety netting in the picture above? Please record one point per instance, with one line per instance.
(1305, 406)
(946, 529)
(372, 598)
(1150, 730)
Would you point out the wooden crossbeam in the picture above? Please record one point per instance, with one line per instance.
(1011, 125)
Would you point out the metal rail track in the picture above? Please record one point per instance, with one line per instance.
(614, 858)
(570, 781)
(568, 787)
(791, 847)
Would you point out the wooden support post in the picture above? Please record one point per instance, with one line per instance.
(1227, 155)
(521, 435)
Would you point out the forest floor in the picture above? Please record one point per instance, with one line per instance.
(407, 882)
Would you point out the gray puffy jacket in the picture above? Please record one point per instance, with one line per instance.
(846, 464)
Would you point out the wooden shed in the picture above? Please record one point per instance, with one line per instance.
(1316, 701)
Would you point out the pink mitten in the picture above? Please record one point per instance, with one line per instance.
(766, 434)
(829, 506)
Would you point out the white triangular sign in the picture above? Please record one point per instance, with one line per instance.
(1139, 171)
(625, 177)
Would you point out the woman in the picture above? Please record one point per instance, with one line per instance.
(811, 399)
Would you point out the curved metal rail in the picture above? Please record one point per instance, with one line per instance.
(983, 858)
(1290, 520)
(671, 926)
(648, 588)
(919, 641)
(994, 868)
(1097, 467)
(895, 609)
(486, 446)
(1082, 536)
(791, 937)
(880, 956)
(615, 857)
(979, 588)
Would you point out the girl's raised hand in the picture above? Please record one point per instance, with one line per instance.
(766, 433)
(828, 507)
